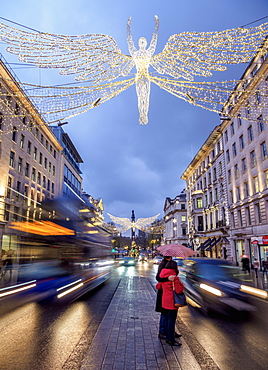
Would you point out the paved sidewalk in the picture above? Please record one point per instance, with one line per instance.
(127, 338)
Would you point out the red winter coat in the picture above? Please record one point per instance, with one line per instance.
(167, 297)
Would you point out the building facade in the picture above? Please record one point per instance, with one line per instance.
(30, 160)
(245, 145)
(175, 216)
(208, 220)
(227, 181)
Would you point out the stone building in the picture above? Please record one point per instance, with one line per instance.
(207, 199)
(227, 181)
(246, 155)
(175, 216)
(30, 160)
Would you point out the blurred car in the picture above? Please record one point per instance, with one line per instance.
(178, 260)
(216, 285)
(143, 257)
(128, 261)
(157, 260)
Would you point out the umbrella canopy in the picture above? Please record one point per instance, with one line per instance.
(175, 250)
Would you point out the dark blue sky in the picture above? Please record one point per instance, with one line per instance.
(128, 165)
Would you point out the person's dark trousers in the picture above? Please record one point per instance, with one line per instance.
(171, 320)
(163, 324)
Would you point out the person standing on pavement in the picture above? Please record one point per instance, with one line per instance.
(169, 311)
(256, 266)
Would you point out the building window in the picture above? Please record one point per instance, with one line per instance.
(266, 178)
(231, 196)
(48, 185)
(227, 156)
(229, 176)
(22, 139)
(49, 167)
(234, 150)
(8, 100)
(253, 158)
(33, 174)
(27, 168)
(45, 163)
(239, 121)
(250, 134)
(260, 124)
(236, 171)
(226, 136)
(54, 171)
(239, 213)
(14, 134)
(216, 194)
(183, 231)
(42, 139)
(232, 129)
(183, 218)
(24, 120)
(17, 109)
(199, 203)
(248, 216)
(256, 184)
(220, 168)
(53, 190)
(44, 181)
(35, 153)
(241, 142)
(40, 158)
(244, 165)
(19, 164)
(246, 189)
(182, 205)
(238, 193)
(1, 120)
(11, 159)
(258, 213)
(29, 148)
(233, 219)
(263, 151)
(36, 133)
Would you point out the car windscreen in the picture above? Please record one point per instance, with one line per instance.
(220, 272)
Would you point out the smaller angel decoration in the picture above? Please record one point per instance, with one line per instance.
(96, 59)
(127, 223)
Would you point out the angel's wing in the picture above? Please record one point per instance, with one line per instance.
(90, 57)
(124, 222)
(197, 53)
(214, 95)
(56, 103)
(142, 222)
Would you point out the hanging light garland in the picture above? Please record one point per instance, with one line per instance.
(96, 59)
(127, 224)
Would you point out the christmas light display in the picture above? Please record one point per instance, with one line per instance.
(96, 59)
(127, 224)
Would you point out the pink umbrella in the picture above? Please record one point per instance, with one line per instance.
(176, 250)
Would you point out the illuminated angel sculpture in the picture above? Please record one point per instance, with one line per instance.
(96, 59)
(127, 223)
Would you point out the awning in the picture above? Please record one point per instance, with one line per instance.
(204, 244)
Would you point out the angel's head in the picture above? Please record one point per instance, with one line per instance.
(142, 43)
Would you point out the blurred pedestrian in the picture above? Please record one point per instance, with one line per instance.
(245, 264)
(256, 266)
(8, 266)
(167, 276)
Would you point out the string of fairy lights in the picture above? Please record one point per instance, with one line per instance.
(96, 59)
(126, 223)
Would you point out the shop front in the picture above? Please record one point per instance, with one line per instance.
(260, 244)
